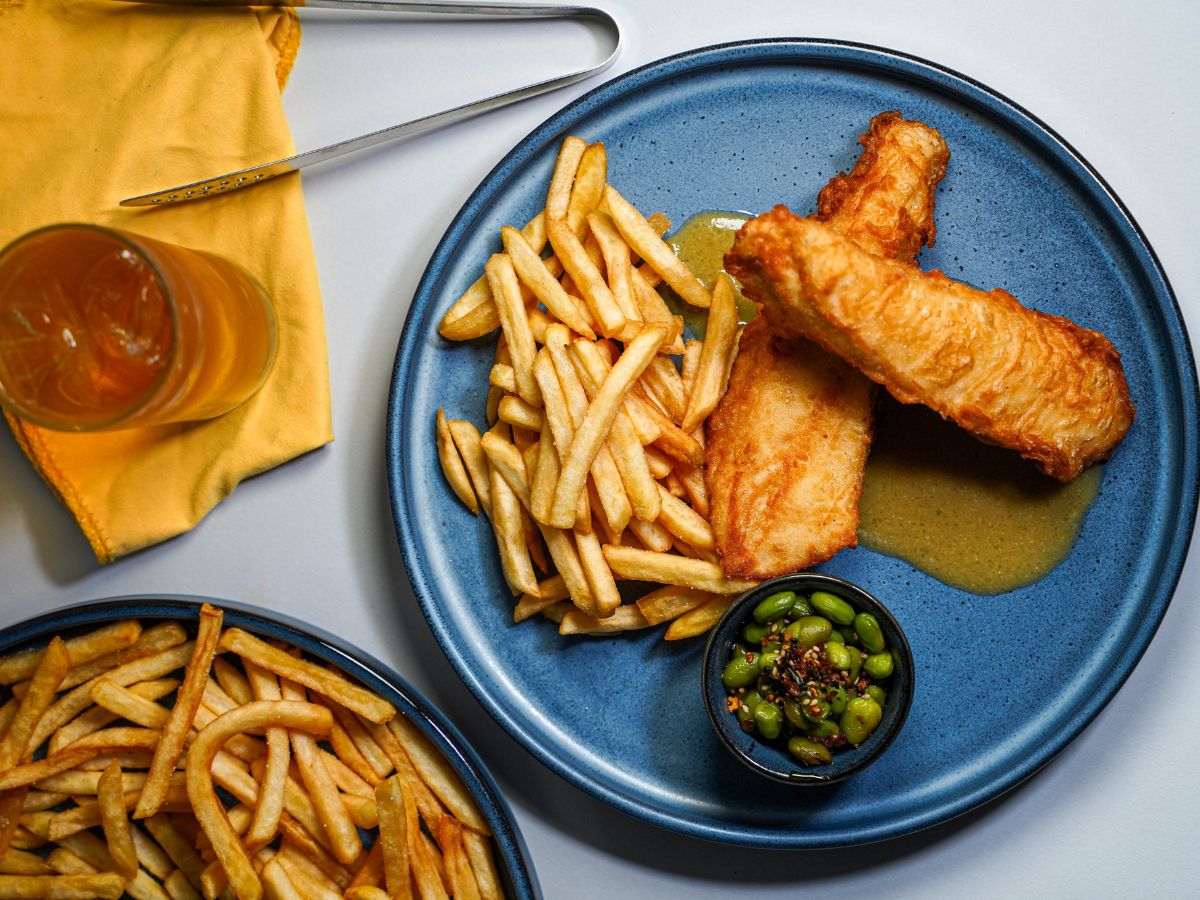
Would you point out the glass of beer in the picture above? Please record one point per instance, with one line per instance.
(102, 329)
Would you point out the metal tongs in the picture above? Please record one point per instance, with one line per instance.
(257, 174)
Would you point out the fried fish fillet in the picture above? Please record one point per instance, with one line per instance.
(1035, 383)
(885, 204)
(787, 444)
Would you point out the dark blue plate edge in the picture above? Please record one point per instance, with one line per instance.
(963, 89)
(513, 855)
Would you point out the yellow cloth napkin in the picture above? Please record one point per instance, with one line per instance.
(104, 100)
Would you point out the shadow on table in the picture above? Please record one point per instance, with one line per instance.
(26, 504)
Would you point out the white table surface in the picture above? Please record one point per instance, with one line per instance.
(1116, 813)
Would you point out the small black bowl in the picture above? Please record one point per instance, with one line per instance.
(772, 759)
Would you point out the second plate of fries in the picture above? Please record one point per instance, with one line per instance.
(545, 412)
(171, 747)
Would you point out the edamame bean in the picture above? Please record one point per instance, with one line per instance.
(809, 753)
(753, 633)
(823, 731)
(838, 700)
(832, 607)
(869, 632)
(741, 671)
(801, 607)
(839, 655)
(879, 665)
(768, 719)
(766, 662)
(838, 637)
(748, 702)
(876, 693)
(856, 661)
(815, 710)
(794, 713)
(861, 717)
(774, 607)
(808, 630)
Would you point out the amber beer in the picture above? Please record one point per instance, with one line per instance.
(103, 329)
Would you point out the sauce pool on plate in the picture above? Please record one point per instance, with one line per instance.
(971, 515)
(701, 242)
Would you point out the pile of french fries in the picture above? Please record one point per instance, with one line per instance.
(595, 450)
(124, 800)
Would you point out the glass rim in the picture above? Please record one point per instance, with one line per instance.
(130, 242)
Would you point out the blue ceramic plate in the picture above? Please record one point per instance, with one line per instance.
(1005, 682)
(511, 855)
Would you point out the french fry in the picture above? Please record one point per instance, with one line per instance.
(276, 884)
(684, 522)
(370, 873)
(662, 379)
(641, 236)
(517, 412)
(507, 460)
(623, 618)
(89, 850)
(177, 847)
(369, 892)
(510, 537)
(309, 881)
(232, 682)
(63, 887)
(150, 856)
(566, 559)
(545, 474)
(458, 867)
(532, 272)
(712, 371)
(152, 640)
(308, 718)
(80, 650)
(116, 823)
(699, 620)
(21, 862)
(393, 835)
(33, 772)
(586, 276)
(179, 888)
(503, 376)
(506, 291)
(452, 465)
(98, 717)
(466, 439)
(351, 756)
(605, 468)
(18, 744)
(335, 819)
(654, 310)
(144, 668)
(588, 188)
(562, 425)
(125, 704)
(666, 568)
(552, 590)
(600, 415)
(183, 711)
(623, 440)
(483, 864)
(671, 601)
(619, 269)
(437, 773)
(329, 684)
(603, 592)
(265, 823)
(651, 535)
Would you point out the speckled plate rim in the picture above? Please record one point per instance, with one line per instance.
(512, 853)
(849, 55)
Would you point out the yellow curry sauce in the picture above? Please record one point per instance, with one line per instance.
(973, 516)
